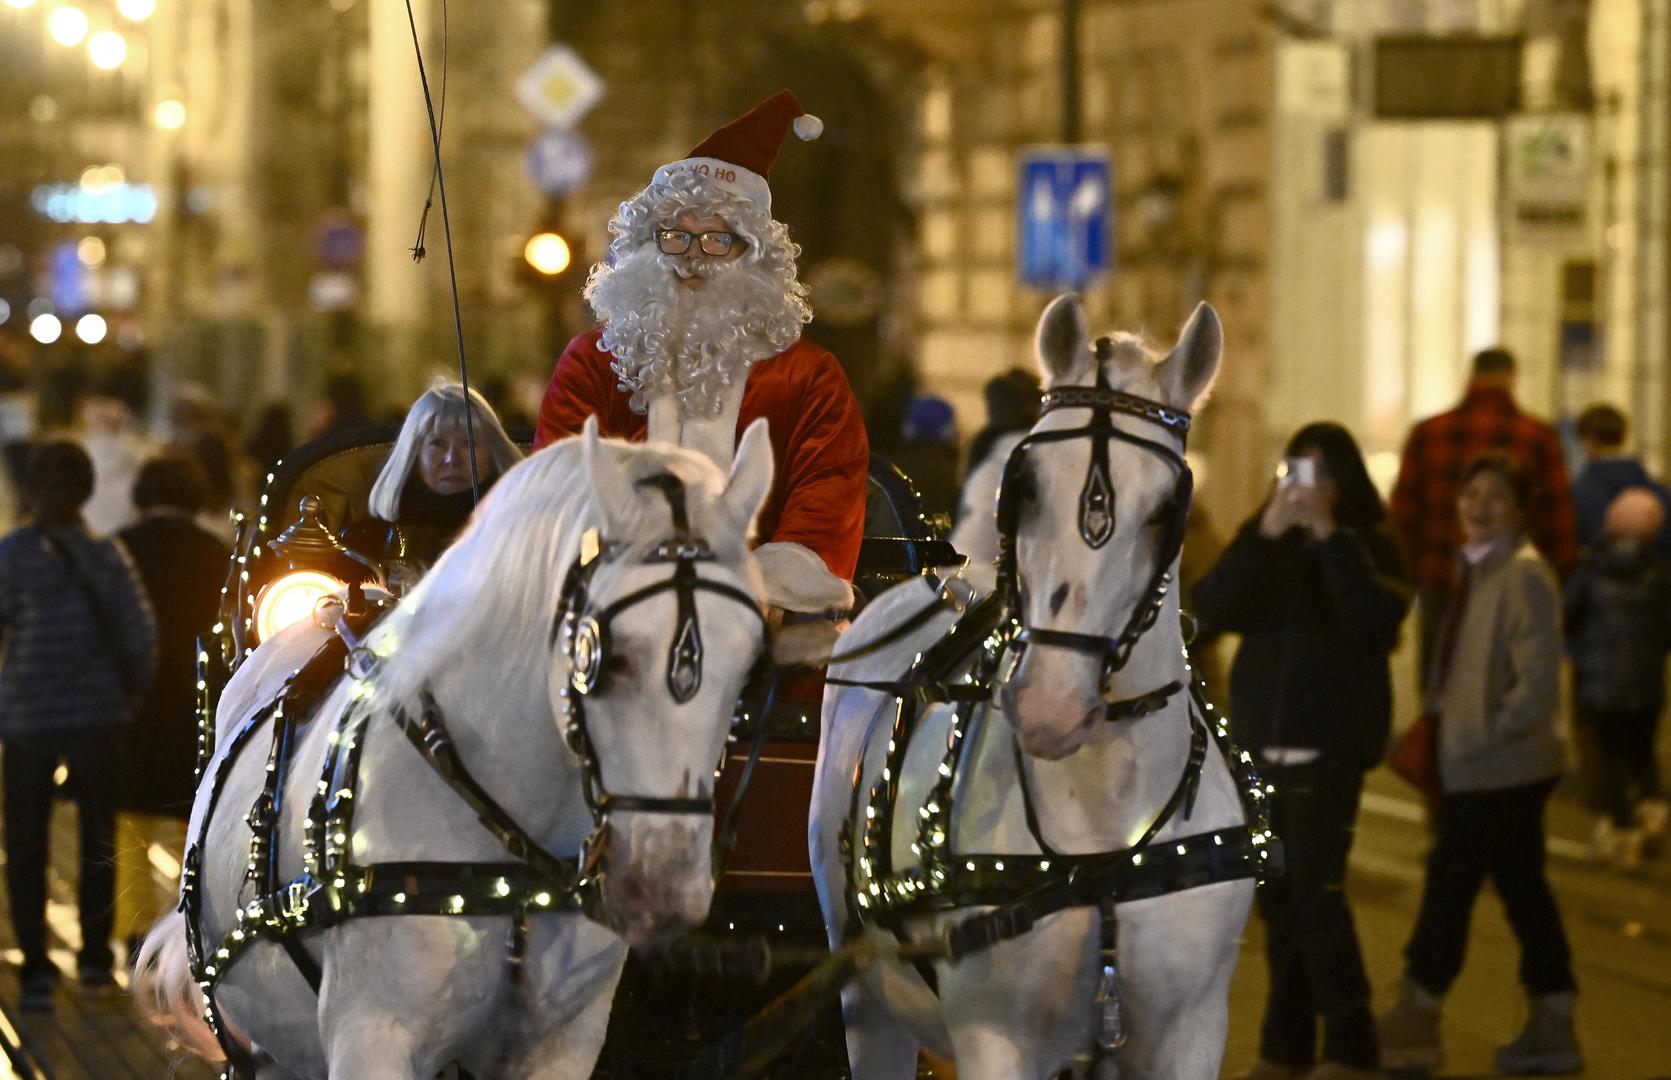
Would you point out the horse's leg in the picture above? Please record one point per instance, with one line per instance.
(878, 1045)
(1178, 953)
(569, 1051)
(374, 1047)
(402, 996)
(988, 1053)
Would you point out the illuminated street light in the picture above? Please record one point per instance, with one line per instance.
(547, 252)
(91, 329)
(136, 10)
(100, 177)
(90, 251)
(46, 329)
(68, 26)
(170, 115)
(108, 49)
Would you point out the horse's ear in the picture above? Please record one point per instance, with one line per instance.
(612, 491)
(1063, 340)
(751, 475)
(1188, 371)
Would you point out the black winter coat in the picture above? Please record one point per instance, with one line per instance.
(1318, 621)
(1618, 624)
(183, 568)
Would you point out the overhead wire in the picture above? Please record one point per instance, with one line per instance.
(438, 183)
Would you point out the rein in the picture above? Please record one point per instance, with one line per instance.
(962, 669)
(334, 888)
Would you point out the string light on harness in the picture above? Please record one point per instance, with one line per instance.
(963, 670)
(334, 886)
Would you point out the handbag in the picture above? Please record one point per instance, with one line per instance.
(101, 617)
(1415, 756)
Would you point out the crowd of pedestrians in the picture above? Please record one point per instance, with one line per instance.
(113, 552)
(1482, 530)
(113, 549)
(114, 565)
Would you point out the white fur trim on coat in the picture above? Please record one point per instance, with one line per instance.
(798, 580)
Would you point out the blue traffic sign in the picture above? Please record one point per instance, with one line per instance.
(559, 161)
(1067, 217)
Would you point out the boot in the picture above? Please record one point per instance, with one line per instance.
(1409, 1031)
(1548, 1045)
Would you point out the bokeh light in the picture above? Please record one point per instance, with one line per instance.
(107, 49)
(46, 329)
(99, 177)
(5, 312)
(90, 250)
(547, 252)
(68, 26)
(136, 10)
(170, 115)
(91, 328)
(20, 4)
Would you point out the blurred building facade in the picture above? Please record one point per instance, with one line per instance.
(1367, 190)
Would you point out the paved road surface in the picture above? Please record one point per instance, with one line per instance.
(1620, 928)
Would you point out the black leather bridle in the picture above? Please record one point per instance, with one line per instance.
(582, 631)
(1097, 507)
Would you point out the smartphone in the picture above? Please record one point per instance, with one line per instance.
(1300, 471)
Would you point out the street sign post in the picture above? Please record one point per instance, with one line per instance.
(1066, 197)
(559, 88)
(559, 161)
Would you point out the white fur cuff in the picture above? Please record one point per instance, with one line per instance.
(798, 580)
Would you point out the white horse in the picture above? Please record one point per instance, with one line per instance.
(1025, 1008)
(404, 995)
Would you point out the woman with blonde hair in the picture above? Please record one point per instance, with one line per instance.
(423, 496)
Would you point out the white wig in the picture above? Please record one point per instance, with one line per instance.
(694, 343)
(440, 408)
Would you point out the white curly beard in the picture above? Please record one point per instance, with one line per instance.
(694, 341)
(690, 340)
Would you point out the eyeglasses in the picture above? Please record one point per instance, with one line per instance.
(716, 244)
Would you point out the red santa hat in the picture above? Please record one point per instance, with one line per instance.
(738, 157)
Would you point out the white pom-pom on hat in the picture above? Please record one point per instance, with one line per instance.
(807, 127)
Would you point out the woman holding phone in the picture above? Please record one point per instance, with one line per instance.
(1314, 585)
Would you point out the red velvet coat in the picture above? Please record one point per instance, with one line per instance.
(818, 438)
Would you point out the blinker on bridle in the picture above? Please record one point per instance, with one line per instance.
(583, 633)
(1097, 511)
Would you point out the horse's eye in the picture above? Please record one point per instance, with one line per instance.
(619, 667)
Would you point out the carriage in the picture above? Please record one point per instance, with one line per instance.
(680, 1014)
(1105, 860)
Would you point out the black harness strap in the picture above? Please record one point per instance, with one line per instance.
(427, 732)
(1021, 889)
(333, 888)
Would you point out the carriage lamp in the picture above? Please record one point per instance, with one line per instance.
(290, 599)
(316, 566)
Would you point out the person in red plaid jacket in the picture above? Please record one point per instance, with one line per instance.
(1424, 499)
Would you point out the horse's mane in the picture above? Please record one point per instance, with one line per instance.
(498, 583)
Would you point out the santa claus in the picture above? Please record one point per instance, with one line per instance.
(702, 316)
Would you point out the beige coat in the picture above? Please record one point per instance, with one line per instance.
(1498, 707)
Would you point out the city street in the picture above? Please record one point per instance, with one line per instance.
(1620, 929)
